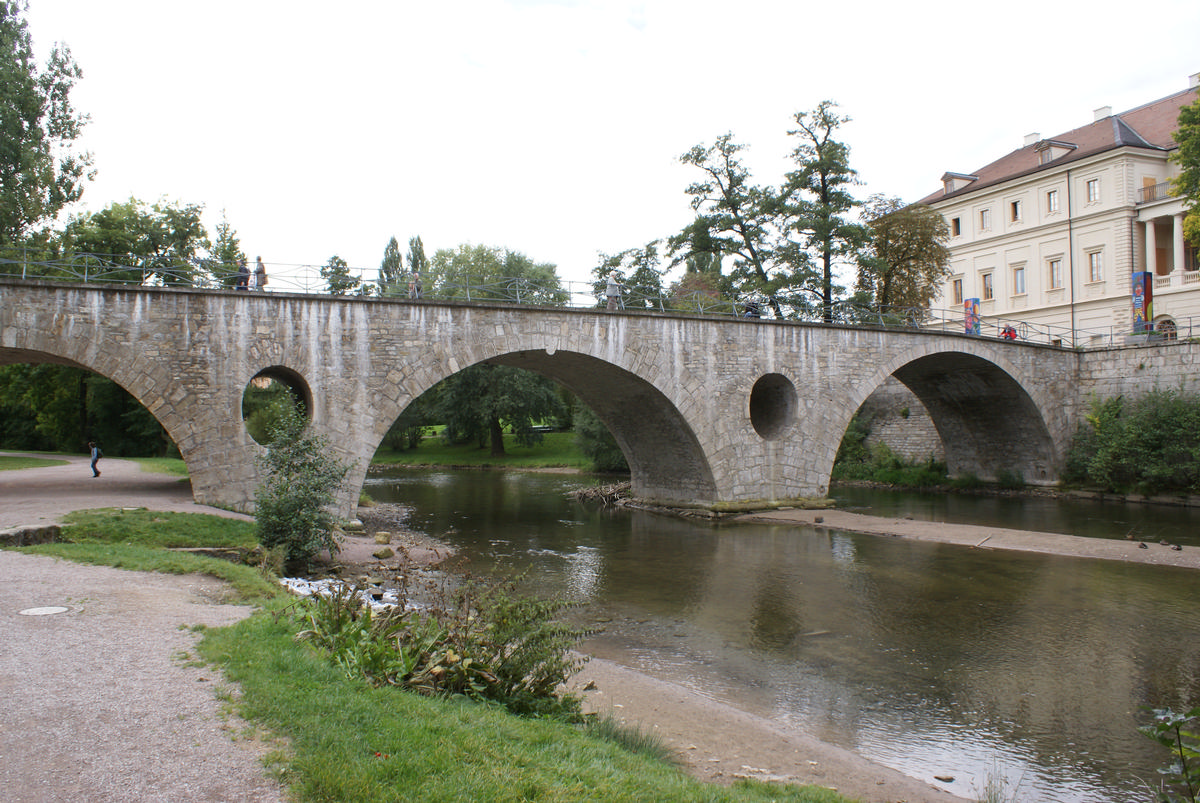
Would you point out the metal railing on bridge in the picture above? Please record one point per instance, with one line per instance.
(790, 306)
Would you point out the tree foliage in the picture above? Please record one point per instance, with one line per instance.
(789, 240)
(340, 282)
(1149, 445)
(392, 281)
(481, 401)
(908, 257)
(60, 408)
(641, 276)
(1187, 183)
(160, 244)
(40, 170)
(226, 253)
(597, 443)
(301, 481)
(483, 273)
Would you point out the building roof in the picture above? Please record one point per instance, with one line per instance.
(1149, 126)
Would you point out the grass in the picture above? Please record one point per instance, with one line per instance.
(140, 540)
(162, 465)
(557, 450)
(350, 741)
(14, 462)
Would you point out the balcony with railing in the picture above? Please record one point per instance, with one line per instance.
(1155, 192)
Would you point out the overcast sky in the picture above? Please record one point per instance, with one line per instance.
(554, 127)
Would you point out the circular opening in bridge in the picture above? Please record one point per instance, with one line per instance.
(772, 405)
(269, 393)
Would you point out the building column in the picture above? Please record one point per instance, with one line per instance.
(1151, 249)
(1177, 223)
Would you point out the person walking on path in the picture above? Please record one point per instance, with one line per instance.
(613, 291)
(243, 275)
(260, 275)
(96, 455)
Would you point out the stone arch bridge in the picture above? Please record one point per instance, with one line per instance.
(709, 411)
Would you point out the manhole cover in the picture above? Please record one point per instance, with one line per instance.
(44, 611)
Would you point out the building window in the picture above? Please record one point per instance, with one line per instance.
(1055, 274)
(1052, 201)
(956, 226)
(958, 298)
(988, 293)
(1093, 190)
(1015, 211)
(1018, 280)
(985, 219)
(1095, 266)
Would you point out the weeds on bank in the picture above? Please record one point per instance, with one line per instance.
(1179, 733)
(479, 639)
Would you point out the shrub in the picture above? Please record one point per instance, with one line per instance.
(481, 640)
(302, 480)
(1010, 479)
(1150, 444)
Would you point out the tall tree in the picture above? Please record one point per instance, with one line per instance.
(736, 218)
(226, 253)
(417, 262)
(159, 244)
(1187, 183)
(392, 281)
(817, 199)
(908, 257)
(40, 170)
(482, 400)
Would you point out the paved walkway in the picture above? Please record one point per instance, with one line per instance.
(40, 496)
(100, 703)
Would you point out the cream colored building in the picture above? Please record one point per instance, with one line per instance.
(1048, 237)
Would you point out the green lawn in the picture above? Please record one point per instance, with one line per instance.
(13, 462)
(557, 449)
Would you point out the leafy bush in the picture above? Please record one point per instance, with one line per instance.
(1178, 733)
(1150, 444)
(301, 483)
(481, 640)
(878, 463)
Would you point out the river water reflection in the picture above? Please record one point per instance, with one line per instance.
(932, 659)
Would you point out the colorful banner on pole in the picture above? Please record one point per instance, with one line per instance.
(1143, 302)
(971, 315)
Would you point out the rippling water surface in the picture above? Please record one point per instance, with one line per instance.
(933, 659)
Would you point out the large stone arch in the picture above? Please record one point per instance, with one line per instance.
(666, 459)
(989, 414)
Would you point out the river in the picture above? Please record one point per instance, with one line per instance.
(929, 658)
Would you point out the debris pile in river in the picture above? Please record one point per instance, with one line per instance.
(607, 495)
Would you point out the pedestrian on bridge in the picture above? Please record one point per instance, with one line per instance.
(243, 275)
(260, 275)
(613, 291)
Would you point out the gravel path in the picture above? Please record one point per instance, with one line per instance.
(99, 703)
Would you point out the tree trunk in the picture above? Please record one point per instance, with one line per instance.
(497, 437)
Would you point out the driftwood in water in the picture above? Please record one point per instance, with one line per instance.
(607, 495)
